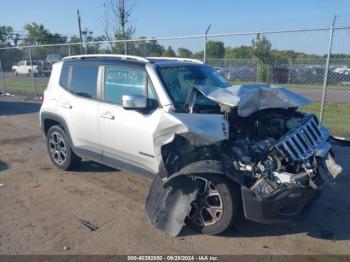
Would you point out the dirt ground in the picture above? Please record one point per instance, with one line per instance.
(40, 207)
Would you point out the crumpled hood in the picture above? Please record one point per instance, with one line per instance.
(251, 98)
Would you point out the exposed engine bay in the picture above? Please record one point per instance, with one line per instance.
(275, 148)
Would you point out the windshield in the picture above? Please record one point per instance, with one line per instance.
(179, 78)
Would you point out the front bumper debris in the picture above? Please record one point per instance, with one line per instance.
(168, 204)
(282, 207)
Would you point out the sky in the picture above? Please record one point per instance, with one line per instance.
(154, 18)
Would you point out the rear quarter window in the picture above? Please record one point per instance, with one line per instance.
(64, 76)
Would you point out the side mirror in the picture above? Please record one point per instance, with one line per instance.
(134, 102)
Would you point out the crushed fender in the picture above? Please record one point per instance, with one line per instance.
(168, 205)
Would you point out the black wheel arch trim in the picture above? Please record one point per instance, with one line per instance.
(207, 166)
(54, 117)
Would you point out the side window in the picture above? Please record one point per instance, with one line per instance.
(84, 81)
(121, 81)
(64, 76)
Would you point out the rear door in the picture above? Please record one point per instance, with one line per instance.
(127, 135)
(78, 106)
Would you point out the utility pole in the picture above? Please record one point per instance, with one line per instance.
(205, 44)
(81, 38)
(122, 21)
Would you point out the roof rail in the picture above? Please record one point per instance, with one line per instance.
(126, 57)
(177, 59)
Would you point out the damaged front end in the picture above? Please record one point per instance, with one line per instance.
(288, 161)
(278, 156)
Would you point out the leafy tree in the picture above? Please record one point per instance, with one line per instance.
(198, 55)
(153, 48)
(262, 49)
(9, 56)
(169, 52)
(75, 48)
(184, 52)
(37, 34)
(118, 15)
(8, 37)
(88, 36)
(215, 49)
(242, 52)
(262, 52)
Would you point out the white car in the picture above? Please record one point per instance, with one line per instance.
(27, 68)
(211, 149)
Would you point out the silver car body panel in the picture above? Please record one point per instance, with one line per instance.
(251, 98)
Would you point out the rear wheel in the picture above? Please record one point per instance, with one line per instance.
(217, 206)
(60, 150)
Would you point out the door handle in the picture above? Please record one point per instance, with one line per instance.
(67, 105)
(107, 115)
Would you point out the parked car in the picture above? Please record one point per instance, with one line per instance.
(212, 150)
(279, 74)
(242, 74)
(51, 59)
(27, 68)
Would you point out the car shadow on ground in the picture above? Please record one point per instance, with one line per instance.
(91, 166)
(9, 108)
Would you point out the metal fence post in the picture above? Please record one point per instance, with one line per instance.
(125, 47)
(2, 77)
(325, 79)
(205, 44)
(69, 51)
(33, 77)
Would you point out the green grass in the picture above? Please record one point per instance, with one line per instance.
(336, 117)
(24, 86)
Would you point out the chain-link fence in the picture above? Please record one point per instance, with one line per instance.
(313, 62)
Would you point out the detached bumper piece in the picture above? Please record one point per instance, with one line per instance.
(282, 207)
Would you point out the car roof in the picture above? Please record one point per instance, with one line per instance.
(130, 60)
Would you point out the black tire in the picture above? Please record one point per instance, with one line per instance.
(14, 72)
(230, 196)
(59, 148)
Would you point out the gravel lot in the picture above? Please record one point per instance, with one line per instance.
(40, 207)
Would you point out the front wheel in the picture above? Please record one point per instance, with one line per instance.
(217, 206)
(60, 149)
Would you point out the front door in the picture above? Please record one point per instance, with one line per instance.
(127, 135)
